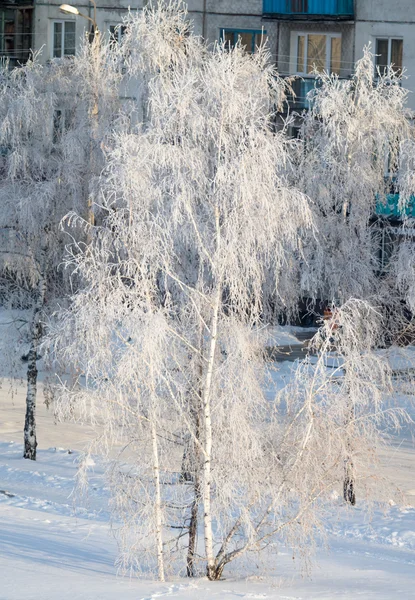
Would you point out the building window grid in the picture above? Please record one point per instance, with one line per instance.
(389, 53)
(116, 32)
(329, 60)
(250, 38)
(63, 38)
(62, 119)
(15, 33)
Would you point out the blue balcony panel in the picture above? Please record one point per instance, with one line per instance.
(310, 9)
(390, 208)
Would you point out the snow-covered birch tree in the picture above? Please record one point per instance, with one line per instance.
(46, 170)
(349, 163)
(166, 325)
(345, 400)
(199, 221)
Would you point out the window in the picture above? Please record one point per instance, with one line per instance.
(62, 121)
(249, 39)
(58, 125)
(116, 33)
(15, 33)
(294, 132)
(386, 238)
(389, 53)
(63, 39)
(318, 51)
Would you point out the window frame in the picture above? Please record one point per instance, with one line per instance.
(389, 39)
(329, 36)
(119, 28)
(62, 47)
(62, 119)
(237, 32)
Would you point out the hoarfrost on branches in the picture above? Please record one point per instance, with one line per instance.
(199, 224)
(52, 125)
(350, 157)
(198, 210)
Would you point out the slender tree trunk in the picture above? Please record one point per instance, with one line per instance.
(207, 516)
(158, 512)
(30, 441)
(194, 512)
(207, 417)
(195, 467)
(157, 508)
(348, 485)
(349, 493)
(94, 120)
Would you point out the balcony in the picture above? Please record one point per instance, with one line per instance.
(390, 208)
(318, 10)
(301, 87)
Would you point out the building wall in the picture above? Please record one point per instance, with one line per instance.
(109, 12)
(373, 18)
(220, 14)
(388, 19)
(239, 15)
(385, 10)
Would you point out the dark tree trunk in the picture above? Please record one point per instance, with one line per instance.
(191, 551)
(348, 487)
(349, 494)
(30, 440)
(194, 475)
(195, 468)
(215, 573)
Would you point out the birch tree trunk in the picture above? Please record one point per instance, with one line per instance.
(157, 509)
(194, 511)
(349, 493)
(30, 441)
(207, 516)
(196, 461)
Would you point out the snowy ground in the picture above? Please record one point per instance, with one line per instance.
(279, 335)
(49, 551)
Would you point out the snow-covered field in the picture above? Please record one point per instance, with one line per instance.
(52, 548)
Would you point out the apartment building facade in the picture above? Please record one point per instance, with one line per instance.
(302, 35)
(330, 35)
(390, 26)
(57, 34)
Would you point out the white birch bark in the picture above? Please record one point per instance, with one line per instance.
(207, 465)
(157, 507)
(207, 516)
